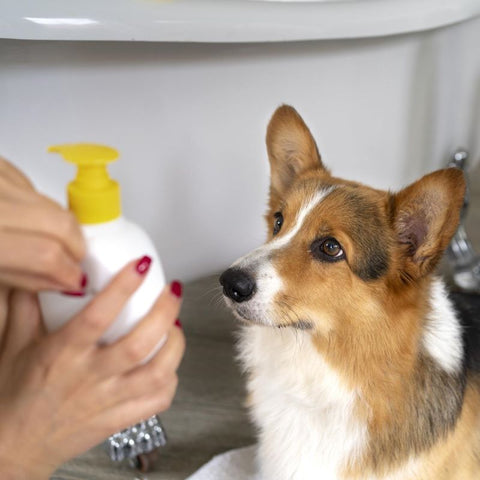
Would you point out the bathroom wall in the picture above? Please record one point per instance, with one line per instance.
(189, 121)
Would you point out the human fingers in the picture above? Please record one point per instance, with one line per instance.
(30, 282)
(24, 323)
(86, 328)
(40, 263)
(134, 347)
(132, 411)
(32, 213)
(4, 295)
(154, 375)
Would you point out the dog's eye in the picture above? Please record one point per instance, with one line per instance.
(327, 249)
(277, 224)
(331, 247)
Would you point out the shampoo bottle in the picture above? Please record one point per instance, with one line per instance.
(112, 241)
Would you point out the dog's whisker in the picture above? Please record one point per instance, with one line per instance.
(214, 290)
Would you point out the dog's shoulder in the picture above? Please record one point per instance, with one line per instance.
(468, 308)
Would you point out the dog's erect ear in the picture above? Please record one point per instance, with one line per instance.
(291, 148)
(426, 216)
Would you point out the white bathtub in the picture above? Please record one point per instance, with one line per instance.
(184, 90)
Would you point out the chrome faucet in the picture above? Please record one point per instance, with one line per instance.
(464, 261)
(136, 443)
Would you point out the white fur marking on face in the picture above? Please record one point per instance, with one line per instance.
(257, 309)
(268, 282)
(261, 253)
(443, 332)
(300, 218)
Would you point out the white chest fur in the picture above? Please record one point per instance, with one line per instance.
(305, 414)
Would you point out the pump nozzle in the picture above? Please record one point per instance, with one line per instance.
(93, 196)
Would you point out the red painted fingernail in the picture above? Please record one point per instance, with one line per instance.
(178, 324)
(81, 292)
(143, 265)
(74, 294)
(176, 288)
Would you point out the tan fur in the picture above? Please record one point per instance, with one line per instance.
(387, 340)
(454, 458)
(458, 457)
(369, 331)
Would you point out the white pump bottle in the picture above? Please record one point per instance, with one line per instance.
(112, 241)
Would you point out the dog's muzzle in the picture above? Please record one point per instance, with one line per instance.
(237, 285)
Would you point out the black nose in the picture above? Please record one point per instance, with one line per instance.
(237, 284)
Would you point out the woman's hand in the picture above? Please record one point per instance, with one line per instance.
(41, 244)
(62, 393)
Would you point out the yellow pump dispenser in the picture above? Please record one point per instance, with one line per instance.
(92, 196)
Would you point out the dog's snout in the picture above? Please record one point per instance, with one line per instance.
(237, 284)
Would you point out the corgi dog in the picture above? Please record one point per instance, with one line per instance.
(356, 361)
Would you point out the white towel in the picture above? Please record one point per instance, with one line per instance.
(236, 464)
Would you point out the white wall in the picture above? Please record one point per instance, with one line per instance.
(189, 120)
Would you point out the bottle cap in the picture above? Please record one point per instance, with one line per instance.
(92, 196)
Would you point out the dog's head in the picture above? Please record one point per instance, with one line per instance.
(337, 250)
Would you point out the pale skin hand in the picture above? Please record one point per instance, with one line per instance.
(46, 238)
(61, 393)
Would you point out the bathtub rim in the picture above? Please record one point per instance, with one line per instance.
(226, 21)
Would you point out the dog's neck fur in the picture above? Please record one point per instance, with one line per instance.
(341, 410)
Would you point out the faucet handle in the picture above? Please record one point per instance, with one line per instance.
(139, 439)
(462, 257)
